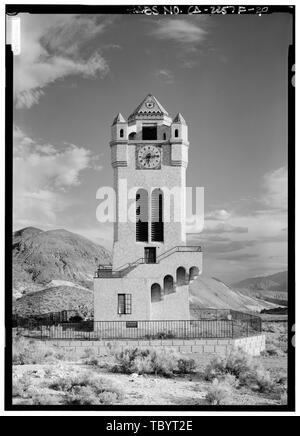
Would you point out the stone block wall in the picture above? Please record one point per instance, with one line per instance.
(253, 345)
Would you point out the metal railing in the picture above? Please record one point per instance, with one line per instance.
(214, 324)
(106, 271)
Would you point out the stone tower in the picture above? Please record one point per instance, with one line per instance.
(152, 266)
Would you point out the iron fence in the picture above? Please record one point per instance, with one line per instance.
(214, 324)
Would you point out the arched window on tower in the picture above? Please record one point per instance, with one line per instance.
(164, 136)
(157, 224)
(142, 215)
(176, 133)
(121, 133)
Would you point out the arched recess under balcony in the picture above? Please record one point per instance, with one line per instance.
(155, 293)
(180, 276)
(168, 284)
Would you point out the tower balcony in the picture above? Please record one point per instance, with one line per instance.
(106, 271)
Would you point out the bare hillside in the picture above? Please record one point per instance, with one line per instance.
(55, 299)
(41, 256)
(208, 292)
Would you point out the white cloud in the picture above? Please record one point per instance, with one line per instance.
(52, 49)
(179, 30)
(218, 215)
(276, 189)
(43, 175)
(248, 240)
(165, 75)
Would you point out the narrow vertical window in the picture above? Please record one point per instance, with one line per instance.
(124, 304)
(176, 133)
(142, 215)
(157, 224)
(121, 133)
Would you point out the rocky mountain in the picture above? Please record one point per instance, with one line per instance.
(41, 256)
(275, 282)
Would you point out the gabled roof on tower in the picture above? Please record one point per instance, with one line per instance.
(119, 119)
(151, 107)
(179, 119)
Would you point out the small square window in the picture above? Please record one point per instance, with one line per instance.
(124, 304)
(149, 133)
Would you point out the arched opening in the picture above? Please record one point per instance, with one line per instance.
(157, 224)
(155, 293)
(121, 133)
(131, 135)
(176, 133)
(164, 136)
(194, 272)
(142, 215)
(180, 276)
(168, 284)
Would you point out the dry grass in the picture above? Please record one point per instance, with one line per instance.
(44, 375)
(51, 387)
(34, 352)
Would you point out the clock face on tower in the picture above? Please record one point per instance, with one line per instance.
(149, 157)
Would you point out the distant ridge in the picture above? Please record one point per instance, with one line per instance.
(274, 282)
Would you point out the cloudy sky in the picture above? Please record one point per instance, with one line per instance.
(227, 75)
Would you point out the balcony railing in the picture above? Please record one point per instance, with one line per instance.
(106, 271)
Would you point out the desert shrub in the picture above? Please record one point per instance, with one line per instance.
(20, 386)
(258, 379)
(90, 357)
(145, 361)
(85, 395)
(151, 361)
(125, 360)
(236, 363)
(186, 366)
(43, 399)
(219, 393)
(162, 363)
(30, 352)
(272, 350)
(26, 352)
(243, 372)
(264, 381)
(87, 389)
(230, 380)
(34, 394)
(281, 379)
